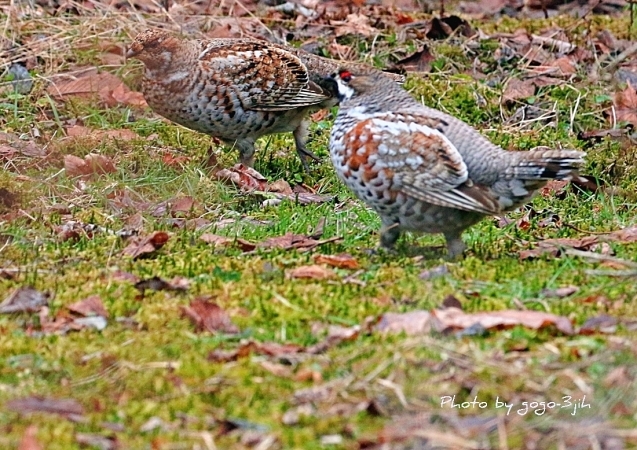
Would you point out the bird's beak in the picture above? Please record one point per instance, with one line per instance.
(131, 52)
(330, 84)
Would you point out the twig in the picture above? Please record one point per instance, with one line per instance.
(621, 57)
(632, 17)
(579, 230)
(284, 301)
(612, 273)
(562, 46)
(24, 269)
(574, 111)
(600, 257)
(502, 433)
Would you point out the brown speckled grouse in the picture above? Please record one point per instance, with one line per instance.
(423, 170)
(237, 90)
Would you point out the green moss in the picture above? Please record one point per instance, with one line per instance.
(123, 374)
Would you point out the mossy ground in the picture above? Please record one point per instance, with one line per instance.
(116, 373)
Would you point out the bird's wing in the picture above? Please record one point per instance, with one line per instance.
(424, 164)
(267, 77)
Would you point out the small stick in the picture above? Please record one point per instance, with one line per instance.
(601, 257)
(621, 57)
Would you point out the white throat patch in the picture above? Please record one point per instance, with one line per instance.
(344, 90)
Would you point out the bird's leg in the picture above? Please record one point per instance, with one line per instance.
(389, 233)
(246, 152)
(455, 246)
(300, 137)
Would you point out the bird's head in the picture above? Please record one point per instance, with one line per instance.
(153, 47)
(348, 83)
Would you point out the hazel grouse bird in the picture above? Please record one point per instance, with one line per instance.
(237, 90)
(423, 170)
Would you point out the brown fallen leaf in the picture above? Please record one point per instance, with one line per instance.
(600, 324)
(404, 429)
(411, 323)
(8, 200)
(308, 374)
(208, 316)
(140, 246)
(222, 241)
(599, 135)
(120, 275)
(588, 183)
(92, 164)
(174, 161)
(434, 272)
(185, 206)
(419, 61)
(450, 301)
(517, 89)
(625, 103)
(64, 407)
(87, 84)
(319, 115)
(456, 319)
(560, 292)
(543, 81)
(356, 24)
(277, 350)
(336, 334)
(280, 186)
(249, 180)
(243, 177)
(553, 247)
(109, 89)
(345, 409)
(216, 240)
(65, 322)
(337, 51)
(24, 299)
(293, 415)
(231, 355)
(29, 439)
(73, 230)
(341, 261)
(554, 188)
(195, 224)
(443, 27)
(158, 284)
(294, 241)
(314, 272)
(565, 65)
(619, 377)
(264, 348)
(90, 306)
(277, 369)
(324, 392)
(97, 441)
(12, 144)
(124, 96)
(79, 131)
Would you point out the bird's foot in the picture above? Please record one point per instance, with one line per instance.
(305, 156)
(455, 249)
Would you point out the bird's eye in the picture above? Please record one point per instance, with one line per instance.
(346, 76)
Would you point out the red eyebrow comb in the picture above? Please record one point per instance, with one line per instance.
(345, 75)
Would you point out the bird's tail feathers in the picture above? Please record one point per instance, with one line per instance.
(546, 164)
